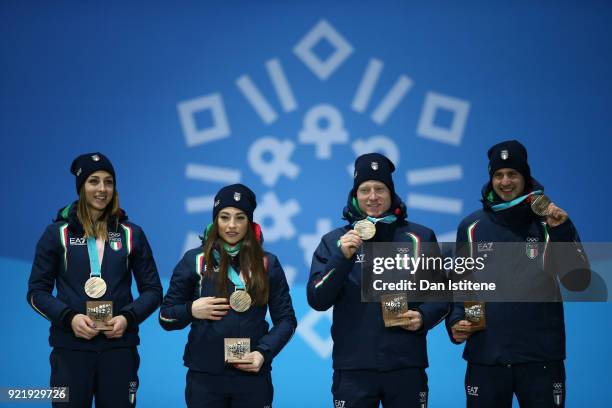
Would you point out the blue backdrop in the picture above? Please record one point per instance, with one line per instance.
(189, 96)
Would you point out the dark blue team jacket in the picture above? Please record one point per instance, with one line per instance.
(62, 261)
(361, 341)
(205, 347)
(521, 332)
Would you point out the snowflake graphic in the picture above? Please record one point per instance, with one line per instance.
(322, 129)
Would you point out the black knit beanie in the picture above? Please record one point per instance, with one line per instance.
(86, 164)
(373, 166)
(509, 154)
(238, 196)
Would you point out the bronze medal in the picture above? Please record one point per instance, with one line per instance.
(539, 204)
(240, 300)
(365, 228)
(95, 287)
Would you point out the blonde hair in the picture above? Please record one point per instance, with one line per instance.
(96, 228)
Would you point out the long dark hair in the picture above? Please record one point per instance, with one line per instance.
(251, 260)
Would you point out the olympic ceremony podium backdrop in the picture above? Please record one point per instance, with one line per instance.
(185, 97)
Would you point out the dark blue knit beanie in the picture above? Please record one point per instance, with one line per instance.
(373, 166)
(86, 164)
(509, 154)
(238, 196)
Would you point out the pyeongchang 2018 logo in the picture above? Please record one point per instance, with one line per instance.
(322, 126)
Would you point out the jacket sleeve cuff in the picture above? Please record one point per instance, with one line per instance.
(129, 317)
(427, 323)
(338, 260)
(562, 232)
(453, 321)
(67, 319)
(265, 352)
(423, 328)
(189, 315)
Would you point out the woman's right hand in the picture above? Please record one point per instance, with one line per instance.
(84, 327)
(211, 308)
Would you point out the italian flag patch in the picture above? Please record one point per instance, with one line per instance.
(115, 244)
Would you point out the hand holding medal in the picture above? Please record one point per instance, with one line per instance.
(349, 243)
(555, 216)
(542, 206)
(365, 228)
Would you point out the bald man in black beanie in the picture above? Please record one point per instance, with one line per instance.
(521, 349)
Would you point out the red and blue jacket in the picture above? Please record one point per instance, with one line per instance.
(62, 262)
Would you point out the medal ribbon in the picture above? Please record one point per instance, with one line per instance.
(518, 200)
(389, 219)
(94, 264)
(231, 272)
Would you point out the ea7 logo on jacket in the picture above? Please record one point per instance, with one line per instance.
(531, 247)
(215, 268)
(485, 247)
(77, 241)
